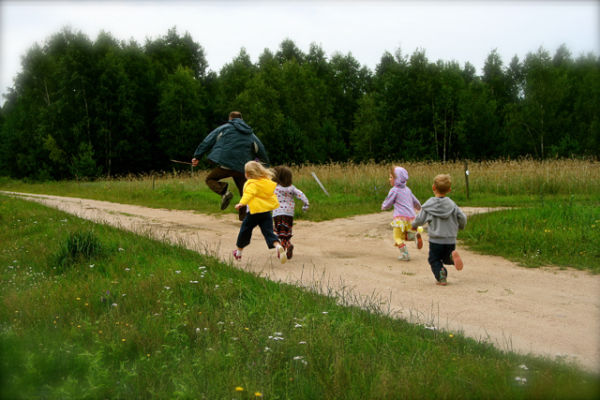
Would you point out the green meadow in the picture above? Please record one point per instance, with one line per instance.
(89, 311)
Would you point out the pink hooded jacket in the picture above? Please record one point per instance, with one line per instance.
(401, 197)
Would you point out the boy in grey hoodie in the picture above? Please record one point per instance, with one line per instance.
(445, 218)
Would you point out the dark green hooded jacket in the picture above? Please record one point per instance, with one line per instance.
(232, 145)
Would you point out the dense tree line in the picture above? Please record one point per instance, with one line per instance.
(83, 108)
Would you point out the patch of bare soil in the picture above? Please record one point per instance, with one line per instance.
(543, 311)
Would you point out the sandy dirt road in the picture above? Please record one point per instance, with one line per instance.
(546, 311)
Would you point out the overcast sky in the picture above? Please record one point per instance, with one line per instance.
(447, 30)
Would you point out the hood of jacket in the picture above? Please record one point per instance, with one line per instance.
(441, 207)
(400, 177)
(241, 126)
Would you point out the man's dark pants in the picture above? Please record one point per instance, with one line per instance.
(440, 254)
(213, 182)
(264, 221)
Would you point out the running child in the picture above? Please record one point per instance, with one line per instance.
(405, 203)
(259, 197)
(283, 217)
(445, 218)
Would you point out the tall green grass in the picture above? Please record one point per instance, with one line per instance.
(354, 188)
(122, 316)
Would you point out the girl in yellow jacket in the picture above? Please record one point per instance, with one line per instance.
(259, 196)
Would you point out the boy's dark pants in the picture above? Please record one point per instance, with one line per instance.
(213, 181)
(264, 221)
(440, 254)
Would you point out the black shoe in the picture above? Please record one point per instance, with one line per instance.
(225, 199)
(290, 251)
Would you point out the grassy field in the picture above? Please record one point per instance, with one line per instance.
(89, 311)
(354, 188)
(559, 201)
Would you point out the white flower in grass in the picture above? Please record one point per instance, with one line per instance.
(521, 380)
(197, 330)
(301, 359)
(202, 267)
(267, 349)
(523, 366)
(302, 342)
(278, 334)
(297, 326)
(325, 312)
(114, 304)
(430, 327)
(127, 269)
(220, 323)
(92, 265)
(178, 272)
(121, 249)
(193, 281)
(167, 288)
(216, 286)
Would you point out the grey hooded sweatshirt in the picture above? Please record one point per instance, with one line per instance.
(444, 219)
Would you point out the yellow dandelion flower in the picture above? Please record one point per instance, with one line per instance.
(239, 389)
(257, 394)
(122, 340)
(86, 304)
(78, 299)
(79, 326)
(451, 335)
(148, 355)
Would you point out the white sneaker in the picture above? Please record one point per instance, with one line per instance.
(404, 254)
(404, 257)
(281, 254)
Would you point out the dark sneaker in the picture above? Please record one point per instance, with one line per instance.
(290, 251)
(443, 276)
(226, 199)
(458, 263)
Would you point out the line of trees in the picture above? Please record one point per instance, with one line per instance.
(83, 108)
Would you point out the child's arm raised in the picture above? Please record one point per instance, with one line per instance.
(302, 197)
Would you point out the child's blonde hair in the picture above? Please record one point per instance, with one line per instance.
(442, 183)
(256, 170)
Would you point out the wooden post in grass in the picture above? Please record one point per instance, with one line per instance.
(467, 178)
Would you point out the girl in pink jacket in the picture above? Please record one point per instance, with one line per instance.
(405, 203)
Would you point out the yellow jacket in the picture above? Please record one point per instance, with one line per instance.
(259, 195)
